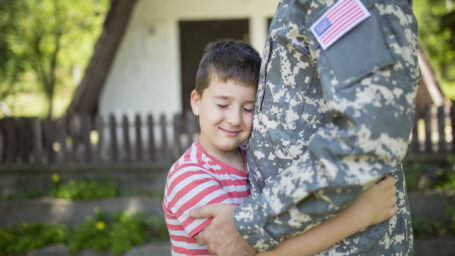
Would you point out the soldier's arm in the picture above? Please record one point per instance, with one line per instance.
(372, 108)
(377, 204)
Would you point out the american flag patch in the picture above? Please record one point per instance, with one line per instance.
(338, 20)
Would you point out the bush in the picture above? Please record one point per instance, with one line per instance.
(436, 175)
(28, 236)
(92, 234)
(157, 228)
(118, 234)
(127, 231)
(83, 189)
(100, 233)
(446, 183)
(450, 211)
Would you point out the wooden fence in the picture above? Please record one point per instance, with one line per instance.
(433, 135)
(82, 140)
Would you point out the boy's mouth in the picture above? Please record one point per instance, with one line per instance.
(230, 132)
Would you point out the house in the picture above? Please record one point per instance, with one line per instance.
(429, 92)
(145, 61)
(146, 58)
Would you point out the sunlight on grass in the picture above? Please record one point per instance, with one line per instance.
(61, 102)
(448, 88)
(35, 104)
(27, 104)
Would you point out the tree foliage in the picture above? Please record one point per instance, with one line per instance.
(41, 40)
(437, 33)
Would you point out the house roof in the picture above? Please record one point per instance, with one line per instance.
(429, 79)
(85, 100)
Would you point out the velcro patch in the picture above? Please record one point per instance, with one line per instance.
(338, 20)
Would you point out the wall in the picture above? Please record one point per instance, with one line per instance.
(145, 74)
(129, 178)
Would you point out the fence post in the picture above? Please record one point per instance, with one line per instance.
(151, 137)
(20, 140)
(177, 135)
(99, 127)
(74, 128)
(452, 119)
(49, 133)
(427, 118)
(164, 144)
(37, 140)
(10, 139)
(441, 129)
(138, 128)
(86, 129)
(190, 129)
(24, 139)
(2, 141)
(61, 132)
(113, 133)
(414, 146)
(126, 137)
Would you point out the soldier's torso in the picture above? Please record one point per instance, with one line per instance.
(290, 105)
(290, 108)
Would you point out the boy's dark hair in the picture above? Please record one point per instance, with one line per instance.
(228, 59)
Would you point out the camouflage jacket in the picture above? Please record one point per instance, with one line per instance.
(328, 123)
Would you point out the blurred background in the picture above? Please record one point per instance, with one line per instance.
(94, 100)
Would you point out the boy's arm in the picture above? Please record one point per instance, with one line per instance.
(194, 189)
(374, 206)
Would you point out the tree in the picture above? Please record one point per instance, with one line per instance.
(40, 38)
(437, 33)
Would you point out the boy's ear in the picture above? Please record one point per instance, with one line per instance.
(195, 101)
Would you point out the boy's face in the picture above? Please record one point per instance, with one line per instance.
(225, 113)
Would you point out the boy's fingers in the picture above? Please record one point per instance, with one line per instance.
(203, 212)
(390, 180)
(393, 211)
(387, 183)
(382, 181)
(393, 202)
(208, 211)
(200, 238)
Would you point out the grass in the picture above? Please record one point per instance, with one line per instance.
(30, 101)
(35, 104)
(448, 87)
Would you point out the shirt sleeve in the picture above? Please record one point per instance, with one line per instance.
(371, 118)
(191, 190)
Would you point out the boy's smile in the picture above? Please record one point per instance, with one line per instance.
(225, 113)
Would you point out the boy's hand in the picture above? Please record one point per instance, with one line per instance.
(221, 236)
(377, 204)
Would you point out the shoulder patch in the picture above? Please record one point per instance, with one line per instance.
(338, 20)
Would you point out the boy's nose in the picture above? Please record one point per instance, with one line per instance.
(233, 117)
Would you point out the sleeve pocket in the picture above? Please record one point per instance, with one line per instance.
(360, 52)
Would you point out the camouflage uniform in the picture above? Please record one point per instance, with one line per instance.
(328, 123)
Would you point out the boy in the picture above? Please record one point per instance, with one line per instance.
(213, 170)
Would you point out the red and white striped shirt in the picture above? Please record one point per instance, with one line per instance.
(195, 180)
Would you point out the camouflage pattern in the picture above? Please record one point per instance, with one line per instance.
(329, 123)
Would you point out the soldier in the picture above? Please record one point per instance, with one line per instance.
(334, 111)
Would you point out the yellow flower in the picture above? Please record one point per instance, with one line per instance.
(56, 177)
(100, 225)
(24, 224)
